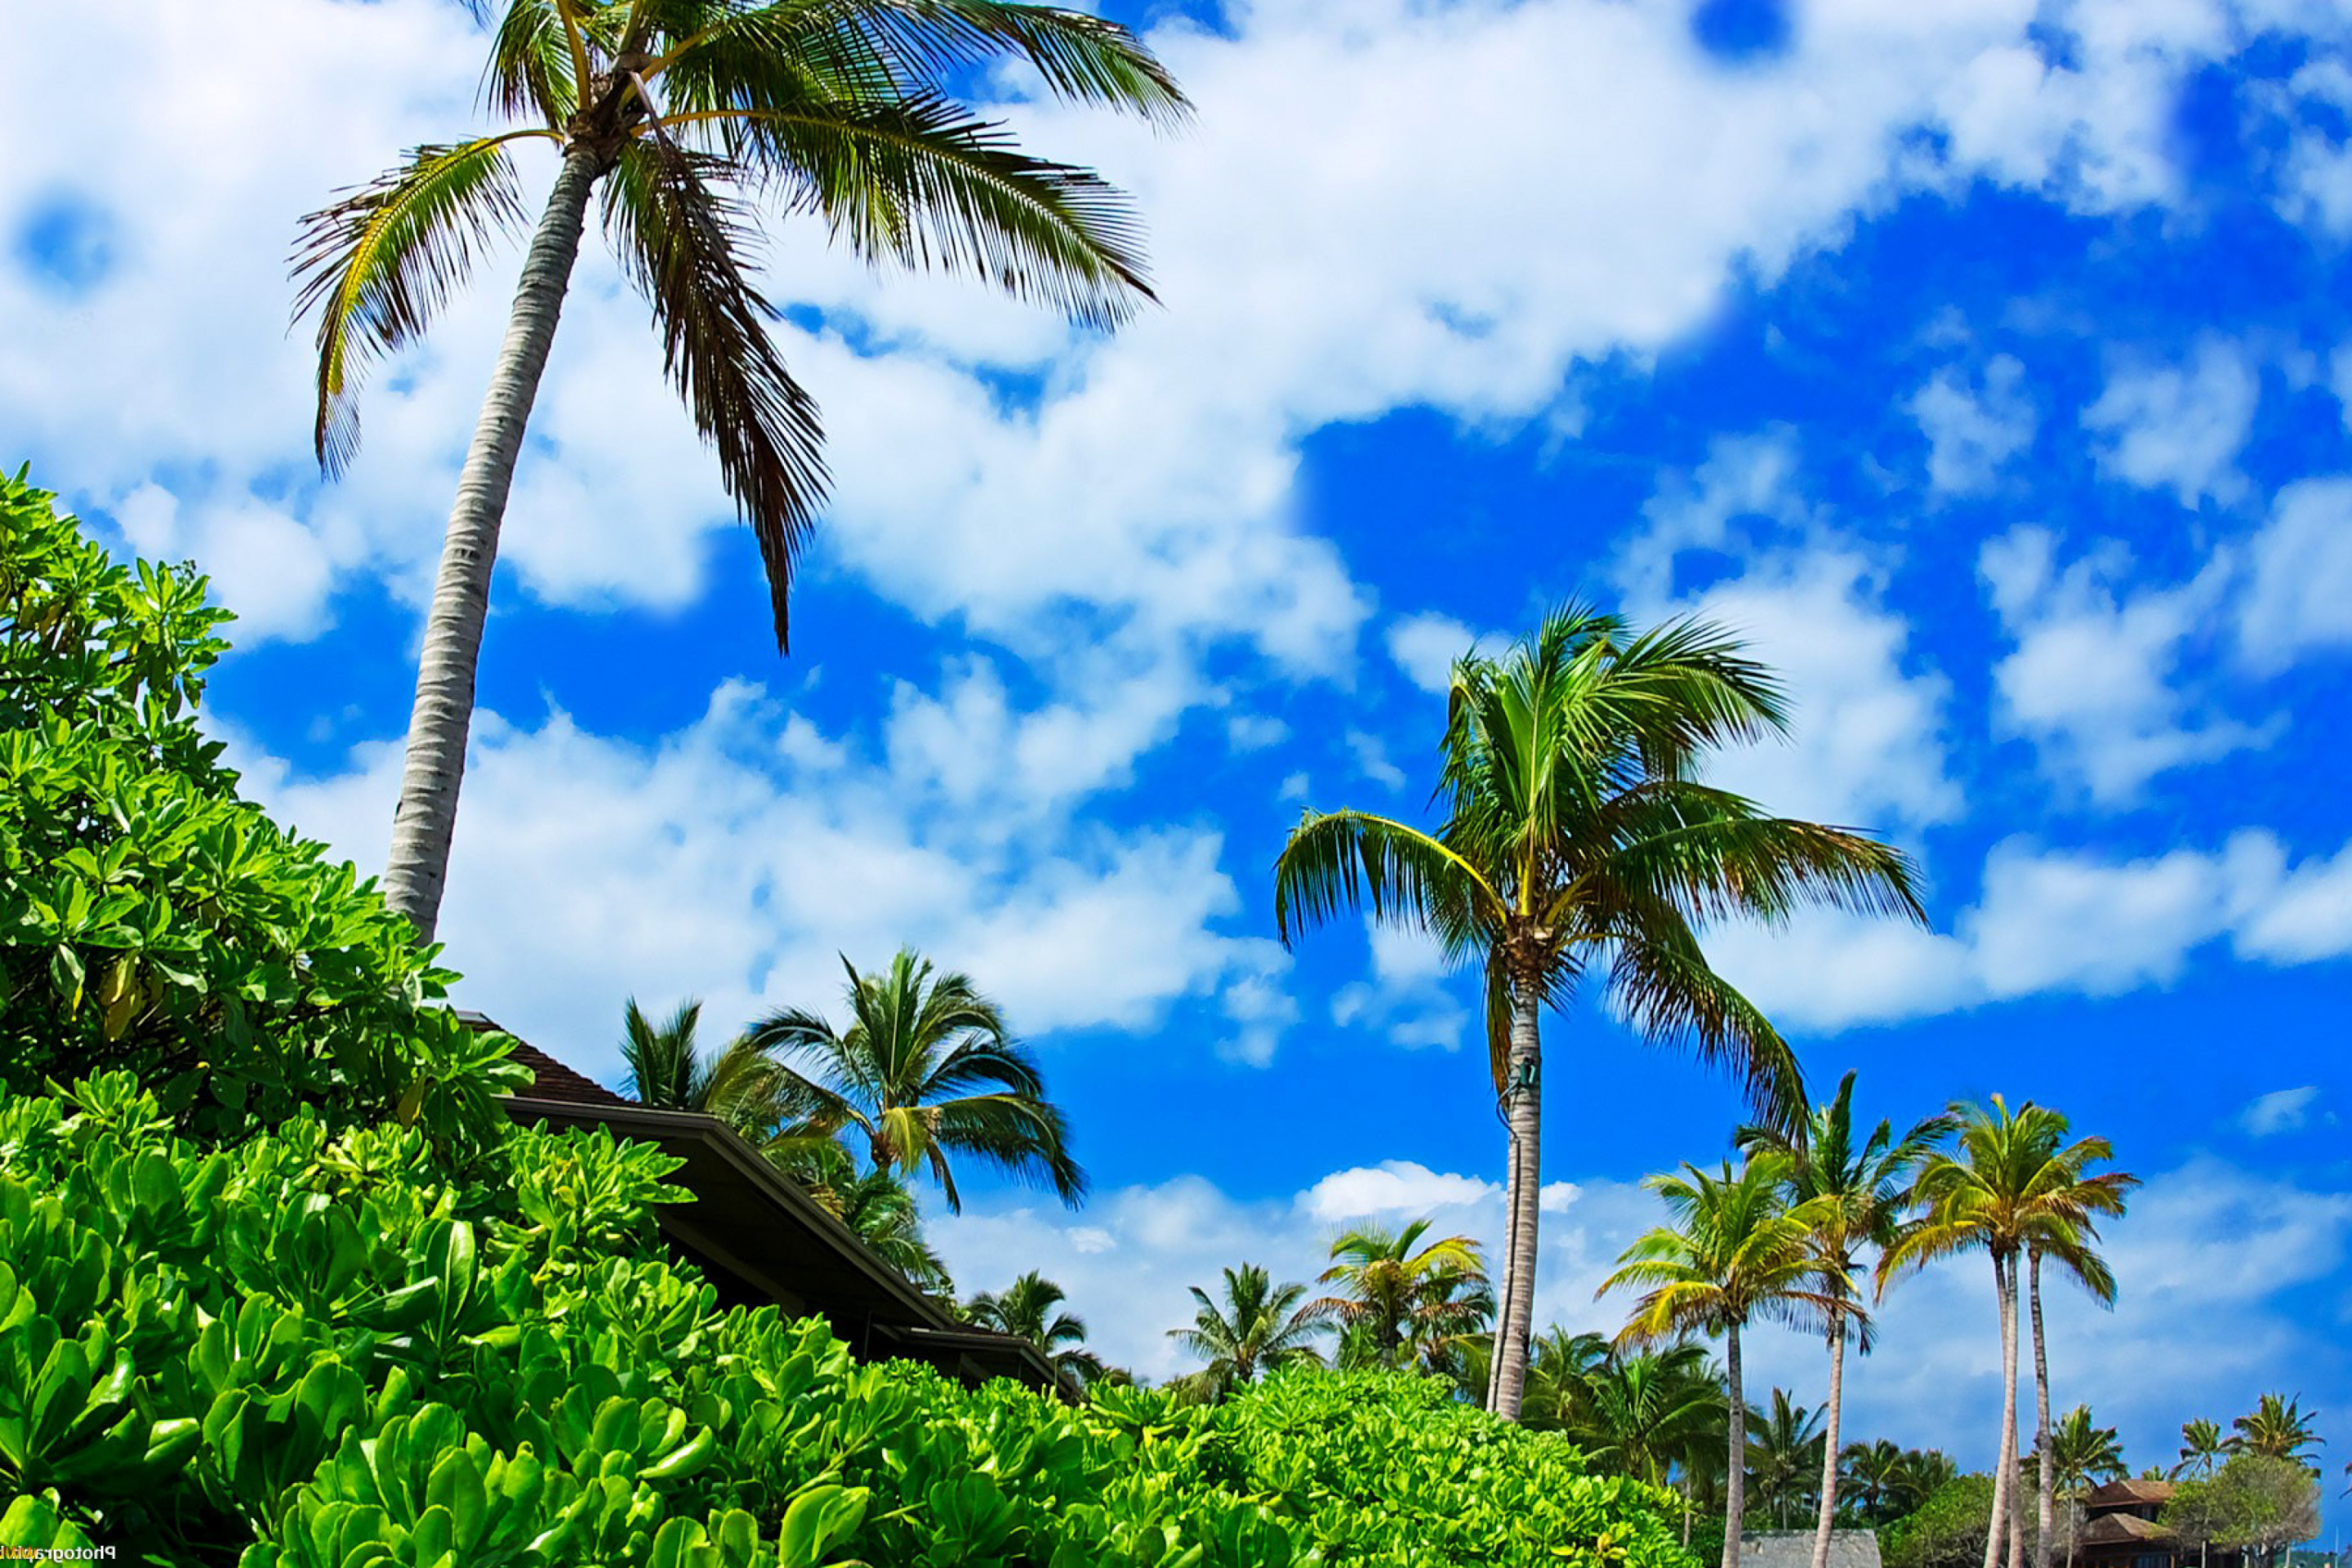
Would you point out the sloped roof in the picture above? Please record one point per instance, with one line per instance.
(2116, 1528)
(2127, 1491)
(550, 1080)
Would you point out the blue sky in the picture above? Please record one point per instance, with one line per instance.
(1988, 364)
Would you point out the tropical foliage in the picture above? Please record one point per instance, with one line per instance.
(1579, 843)
(684, 111)
(1258, 1327)
(925, 1071)
(2263, 1502)
(1400, 1301)
(154, 921)
(1948, 1530)
(2277, 1427)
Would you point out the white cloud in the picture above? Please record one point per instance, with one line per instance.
(1971, 433)
(2049, 922)
(2316, 176)
(737, 857)
(1393, 1188)
(2179, 427)
(1743, 477)
(2299, 596)
(2281, 1111)
(2096, 678)
(1411, 995)
(1425, 646)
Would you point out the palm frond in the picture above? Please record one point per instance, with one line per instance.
(1663, 986)
(921, 183)
(378, 265)
(681, 241)
(531, 69)
(1352, 860)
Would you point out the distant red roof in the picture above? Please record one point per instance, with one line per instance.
(550, 1079)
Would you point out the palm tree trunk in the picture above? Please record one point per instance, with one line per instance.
(1526, 1126)
(1503, 1302)
(1830, 1443)
(428, 814)
(2044, 1445)
(2006, 1460)
(1735, 1480)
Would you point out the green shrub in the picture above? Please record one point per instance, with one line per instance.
(1947, 1530)
(315, 1350)
(151, 920)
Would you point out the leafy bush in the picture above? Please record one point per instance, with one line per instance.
(315, 1350)
(1947, 1530)
(153, 920)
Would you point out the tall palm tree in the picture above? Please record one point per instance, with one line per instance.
(924, 1069)
(1404, 1298)
(684, 111)
(2072, 1245)
(1258, 1327)
(2202, 1446)
(2081, 1456)
(2277, 1428)
(1027, 1311)
(1578, 843)
(1732, 1251)
(1857, 1190)
(2010, 1178)
(1784, 1450)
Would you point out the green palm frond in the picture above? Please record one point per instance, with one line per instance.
(682, 241)
(530, 73)
(1348, 859)
(378, 265)
(1664, 989)
(921, 182)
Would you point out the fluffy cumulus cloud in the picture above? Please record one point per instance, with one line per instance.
(739, 859)
(2052, 921)
(2179, 427)
(1973, 430)
(2299, 595)
(2281, 1111)
(2097, 678)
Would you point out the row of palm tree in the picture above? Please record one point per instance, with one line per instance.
(1779, 1235)
(924, 1074)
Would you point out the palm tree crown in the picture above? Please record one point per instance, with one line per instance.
(686, 112)
(2201, 1448)
(2277, 1428)
(1579, 844)
(925, 1069)
(1405, 1299)
(1027, 1311)
(1258, 1327)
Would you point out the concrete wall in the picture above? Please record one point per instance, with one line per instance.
(1795, 1549)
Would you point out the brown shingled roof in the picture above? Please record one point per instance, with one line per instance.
(550, 1080)
(2127, 1491)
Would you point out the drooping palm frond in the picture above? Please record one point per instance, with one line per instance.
(531, 71)
(921, 182)
(682, 240)
(1400, 874)
(378, 265)
(1663, 987)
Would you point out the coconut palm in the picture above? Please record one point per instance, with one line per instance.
(2202, 1446)
(1731, 1252)
(1870, 1476)
(684, 111)
(2082, 1455)
(1027, 1311)
(1644, 1409)
(739, 1084)
(2011, 1179)
(1857, 1186)
(1579, 844)
(1784, 1454)
(1559, 1377)
(925, 1069)
(1925, 1472)
(878, 1206)
(1402, 1299)
(2277, 1428)
(1258, 1327)
(2070, 1243)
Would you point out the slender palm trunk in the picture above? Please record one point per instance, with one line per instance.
(1735, 1479)
(1503, 1297)
(443, 713)
(2044, 1444)
(1830, 1443)
(1527, 1128)
(2005, 1462)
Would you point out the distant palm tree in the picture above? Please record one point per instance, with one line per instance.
(2202, 1446)
(2081, 1456)
(1857, 1186)
(1404, 1300)
(1869, 1476)
(1578, 844)
(2277, 1428)
(740, 1084)
(1784, 1453)
(1559, 1377)
(1258, 1327)
(1732, 1251)
(2011, 1179)
(924, 1069)
(678, 108)
(878, 1207)
(1925, 1472)
(1026, 1310)
(1648, 1412)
